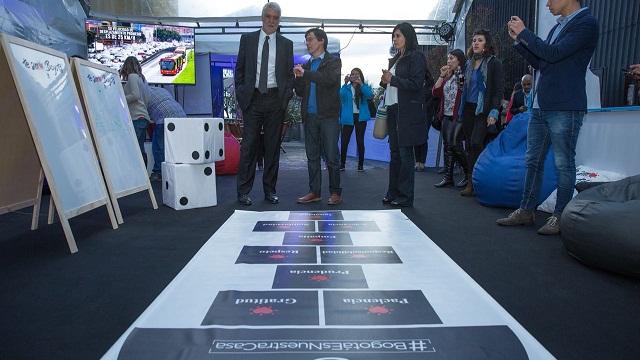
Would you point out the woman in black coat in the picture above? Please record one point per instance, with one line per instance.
(406, 118)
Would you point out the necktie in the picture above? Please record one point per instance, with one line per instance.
(264, 66)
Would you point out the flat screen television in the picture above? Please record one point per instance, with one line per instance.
(166, 53)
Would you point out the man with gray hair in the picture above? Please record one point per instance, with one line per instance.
(522, 99)
(264, 85)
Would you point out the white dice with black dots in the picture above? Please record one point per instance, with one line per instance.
(189, 186)
(190, 140)
(218, 139)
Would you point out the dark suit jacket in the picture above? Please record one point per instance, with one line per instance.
(410, 81)
(247, 68)
(563, 64)
(327, 79)
(518, 101)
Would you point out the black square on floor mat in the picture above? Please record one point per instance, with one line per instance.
(266, 308)
(397, 307)
(319, 277)
(277, 255)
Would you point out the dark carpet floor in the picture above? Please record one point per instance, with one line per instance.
(60, 306)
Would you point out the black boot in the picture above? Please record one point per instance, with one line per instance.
(447, 180)
(461, 158)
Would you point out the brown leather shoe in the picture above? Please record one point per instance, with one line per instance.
(309, 198)
(334, 199)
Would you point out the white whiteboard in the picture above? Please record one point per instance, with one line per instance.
(58, 127)
(112, 128)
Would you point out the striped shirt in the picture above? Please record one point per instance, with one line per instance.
(161, 105)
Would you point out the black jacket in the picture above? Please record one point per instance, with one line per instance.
(409, 79)
(327, 79)
(247, 68)
(518, 101)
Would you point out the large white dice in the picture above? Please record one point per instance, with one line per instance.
(189, 140)
(218, 139)
(189, 186)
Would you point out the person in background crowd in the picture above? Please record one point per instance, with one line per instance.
(161, 105)
(318, 82)
(635, 70)
(449, 89)
(430, 103)
(481, 98)
(406, 120)
(263, 89)
(136, 90)
(354, 112)
(559, 104)
(522, 99)
(517, 86)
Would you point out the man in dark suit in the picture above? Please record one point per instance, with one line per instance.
(318, 83)
(521, 97)
(264, 85)
(559, 104)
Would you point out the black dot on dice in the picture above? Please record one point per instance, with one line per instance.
(207, 154)
(195, 155)
(166, 185)
(171, 126)
(221, 152)
(220, 126)
(206, 127)
(184, 201)
(208, 171)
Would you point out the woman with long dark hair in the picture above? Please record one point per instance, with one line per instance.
(137, 93)
(354, 112)
(406, 119)
(448, 89)
(482, 95)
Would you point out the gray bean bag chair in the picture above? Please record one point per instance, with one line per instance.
(601, 226)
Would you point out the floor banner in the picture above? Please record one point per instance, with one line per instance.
(324, 285)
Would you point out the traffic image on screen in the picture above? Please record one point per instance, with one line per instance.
(166, 53)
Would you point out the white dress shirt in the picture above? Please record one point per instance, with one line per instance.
(271, 76)
(391, 94)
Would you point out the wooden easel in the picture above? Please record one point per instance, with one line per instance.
(25, 159)
(126, 133)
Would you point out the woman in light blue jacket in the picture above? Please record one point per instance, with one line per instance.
(354, 112)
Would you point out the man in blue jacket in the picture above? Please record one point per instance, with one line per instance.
(560, 102)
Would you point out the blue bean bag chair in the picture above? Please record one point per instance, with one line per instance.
(601, 226)
(498, 176)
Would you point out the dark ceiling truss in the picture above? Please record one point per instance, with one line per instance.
(288, 25)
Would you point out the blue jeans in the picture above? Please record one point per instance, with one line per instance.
(157, 147)
(140, 126)
(560, 130)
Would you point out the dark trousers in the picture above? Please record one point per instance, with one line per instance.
(157, 147)
(264, 113)
(347, 130)
(475, 131)
(401, 166)
(452, 135)
(321, 137)
(420, 151)
(140, 127)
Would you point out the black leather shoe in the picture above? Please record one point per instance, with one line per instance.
(462, 183)
(244, 199)
(386, 200)
(400, 204)
(444, 182)
(272, 198)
